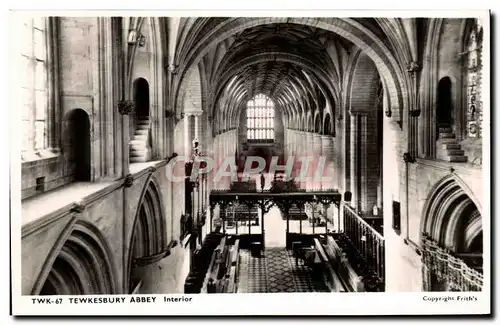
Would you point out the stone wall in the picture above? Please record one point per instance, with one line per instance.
(106, 211)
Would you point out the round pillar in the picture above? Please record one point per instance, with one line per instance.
(317, 152)
(328, 152)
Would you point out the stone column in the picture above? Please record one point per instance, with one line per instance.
(354, 172)
(293, 142)
(317, 152)
(327, 151)
(125, 108)
(227, 149)
(363, 160)
(301, 151)
(197, 126)
(187, 142)
(215, 154)
(310, 152)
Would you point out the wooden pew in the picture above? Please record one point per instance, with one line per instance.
(222, 274)
(330, 276)
(233, 269)
(351, 280)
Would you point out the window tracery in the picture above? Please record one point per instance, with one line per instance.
(34, 83)
(260, 118)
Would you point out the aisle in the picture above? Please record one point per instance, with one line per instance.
(275, 229)
(274, 272)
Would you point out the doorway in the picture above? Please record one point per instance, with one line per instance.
(79, 139)
(444, 113)
(141, 100)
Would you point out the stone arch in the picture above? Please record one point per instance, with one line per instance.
(364, 150)
(148, 240)
(80, 263)
(473, 241)
(444, 104)
(451, 216)
(191, 99)
(327, 125)
(141, 97)
(318, 127)
(148, 63)
(309, 127)
(78, 144)
(364, 77)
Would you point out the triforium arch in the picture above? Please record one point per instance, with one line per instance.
(452, 238)
(148, 242)
(80, 263)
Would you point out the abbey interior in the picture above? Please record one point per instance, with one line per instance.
(388, 110)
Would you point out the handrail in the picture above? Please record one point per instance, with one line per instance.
(366, 224)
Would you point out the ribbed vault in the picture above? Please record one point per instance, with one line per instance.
(300, 63)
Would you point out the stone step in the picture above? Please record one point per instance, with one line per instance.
(141, 131)
(137, 159)
(138, 146)
(455, 152)
(448, 141)
(142, 123)
(137, 142)
(451, 146)
(140, 137)
(457, 158)
(138, 153)
(446, 135)
(445, 130)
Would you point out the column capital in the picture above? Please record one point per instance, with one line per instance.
(125, 107)
(412, 68)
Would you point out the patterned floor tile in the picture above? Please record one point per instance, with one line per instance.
(276, 271)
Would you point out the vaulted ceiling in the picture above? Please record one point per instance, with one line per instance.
(300, 66)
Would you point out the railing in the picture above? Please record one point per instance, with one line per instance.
(369, 243)
(441, 268)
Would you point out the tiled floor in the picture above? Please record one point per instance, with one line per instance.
(275, 271)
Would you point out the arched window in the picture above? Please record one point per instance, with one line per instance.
(34, 85)
(260, 118)
(474, 65)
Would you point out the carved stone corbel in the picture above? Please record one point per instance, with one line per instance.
(173, 68)
(412, 68)
(408, 158)
(129, 180)
(125, 107)
(78, 208)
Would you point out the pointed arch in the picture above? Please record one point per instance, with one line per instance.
(364, 85)
(318, 127)
(327, 125)
(80, 263)
(451, 215)
(148, 240)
